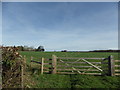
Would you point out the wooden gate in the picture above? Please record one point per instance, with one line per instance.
(91, 66)
(75, 65)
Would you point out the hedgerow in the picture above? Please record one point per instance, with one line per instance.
(11, 65)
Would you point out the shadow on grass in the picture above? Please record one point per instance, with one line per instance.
(72, 81)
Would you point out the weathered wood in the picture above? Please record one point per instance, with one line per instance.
(46, 59)
(77, 70)
(78, 58)
(91, 73)
(117, 65)
(47, 68)
(47, 63)
(42, 65)
(117, 70)
(92, 65)
(22, 80)
(66, 73)
(74, 66)
(24, 66)
(54, 63)
(83, 68)
(80, 73)
(35, 61)
(117, 74)
(46, 71)
(31, 58)
(104, 63)
(81, 62)
(117, 60)
(111, 66)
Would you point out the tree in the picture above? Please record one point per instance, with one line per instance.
(40, 48)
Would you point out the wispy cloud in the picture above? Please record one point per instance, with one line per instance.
(71, 26)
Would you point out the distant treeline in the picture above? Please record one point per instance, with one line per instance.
(41, 48)
(105, 51)
(93, 51)
(25, 48)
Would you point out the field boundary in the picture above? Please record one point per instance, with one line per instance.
(90, 66)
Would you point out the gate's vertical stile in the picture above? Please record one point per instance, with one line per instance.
(111, 66)
(102, 67)
(103, 64)
(54, 63)
(50, 68)
(42, 65)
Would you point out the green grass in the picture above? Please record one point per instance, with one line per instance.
(38, 55)
(70, 81)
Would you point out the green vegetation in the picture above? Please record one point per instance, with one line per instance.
(69, 81)
(11, 68)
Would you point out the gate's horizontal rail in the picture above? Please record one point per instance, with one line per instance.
(74, 66)
(117, 60)
(117, 65)
(117, 74)
(40, 62)
(47, 63)
(77, 70)
(48, 59)
(46, 71)
(78, 58)
(81, 62)
(36, 62)
(117, 70)
(104, 63)
(48, 68)
(80, 73)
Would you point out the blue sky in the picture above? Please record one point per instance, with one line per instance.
(59, 26)
(0, 23)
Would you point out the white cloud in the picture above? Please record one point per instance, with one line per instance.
(63, 35)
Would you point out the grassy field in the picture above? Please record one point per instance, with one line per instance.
(69, 81)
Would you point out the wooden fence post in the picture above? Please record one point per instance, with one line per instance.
(24, 64)
(22, 73)
(42, 65)
(31, 58)
(111, 66)
(22, 83)
(54, 62)
(23, 69)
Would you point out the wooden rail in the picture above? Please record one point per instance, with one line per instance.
(80, 73)
(117, 60)
(79, 58)
(75, 66)
(79, 66)
(81, 62)
(77, 70)
(36, 62)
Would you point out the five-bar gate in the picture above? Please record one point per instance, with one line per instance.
(75, 65)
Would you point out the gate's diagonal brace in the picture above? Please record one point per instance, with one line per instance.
(77, 60)
(88, 69)
(92, 65)
(72, 67)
